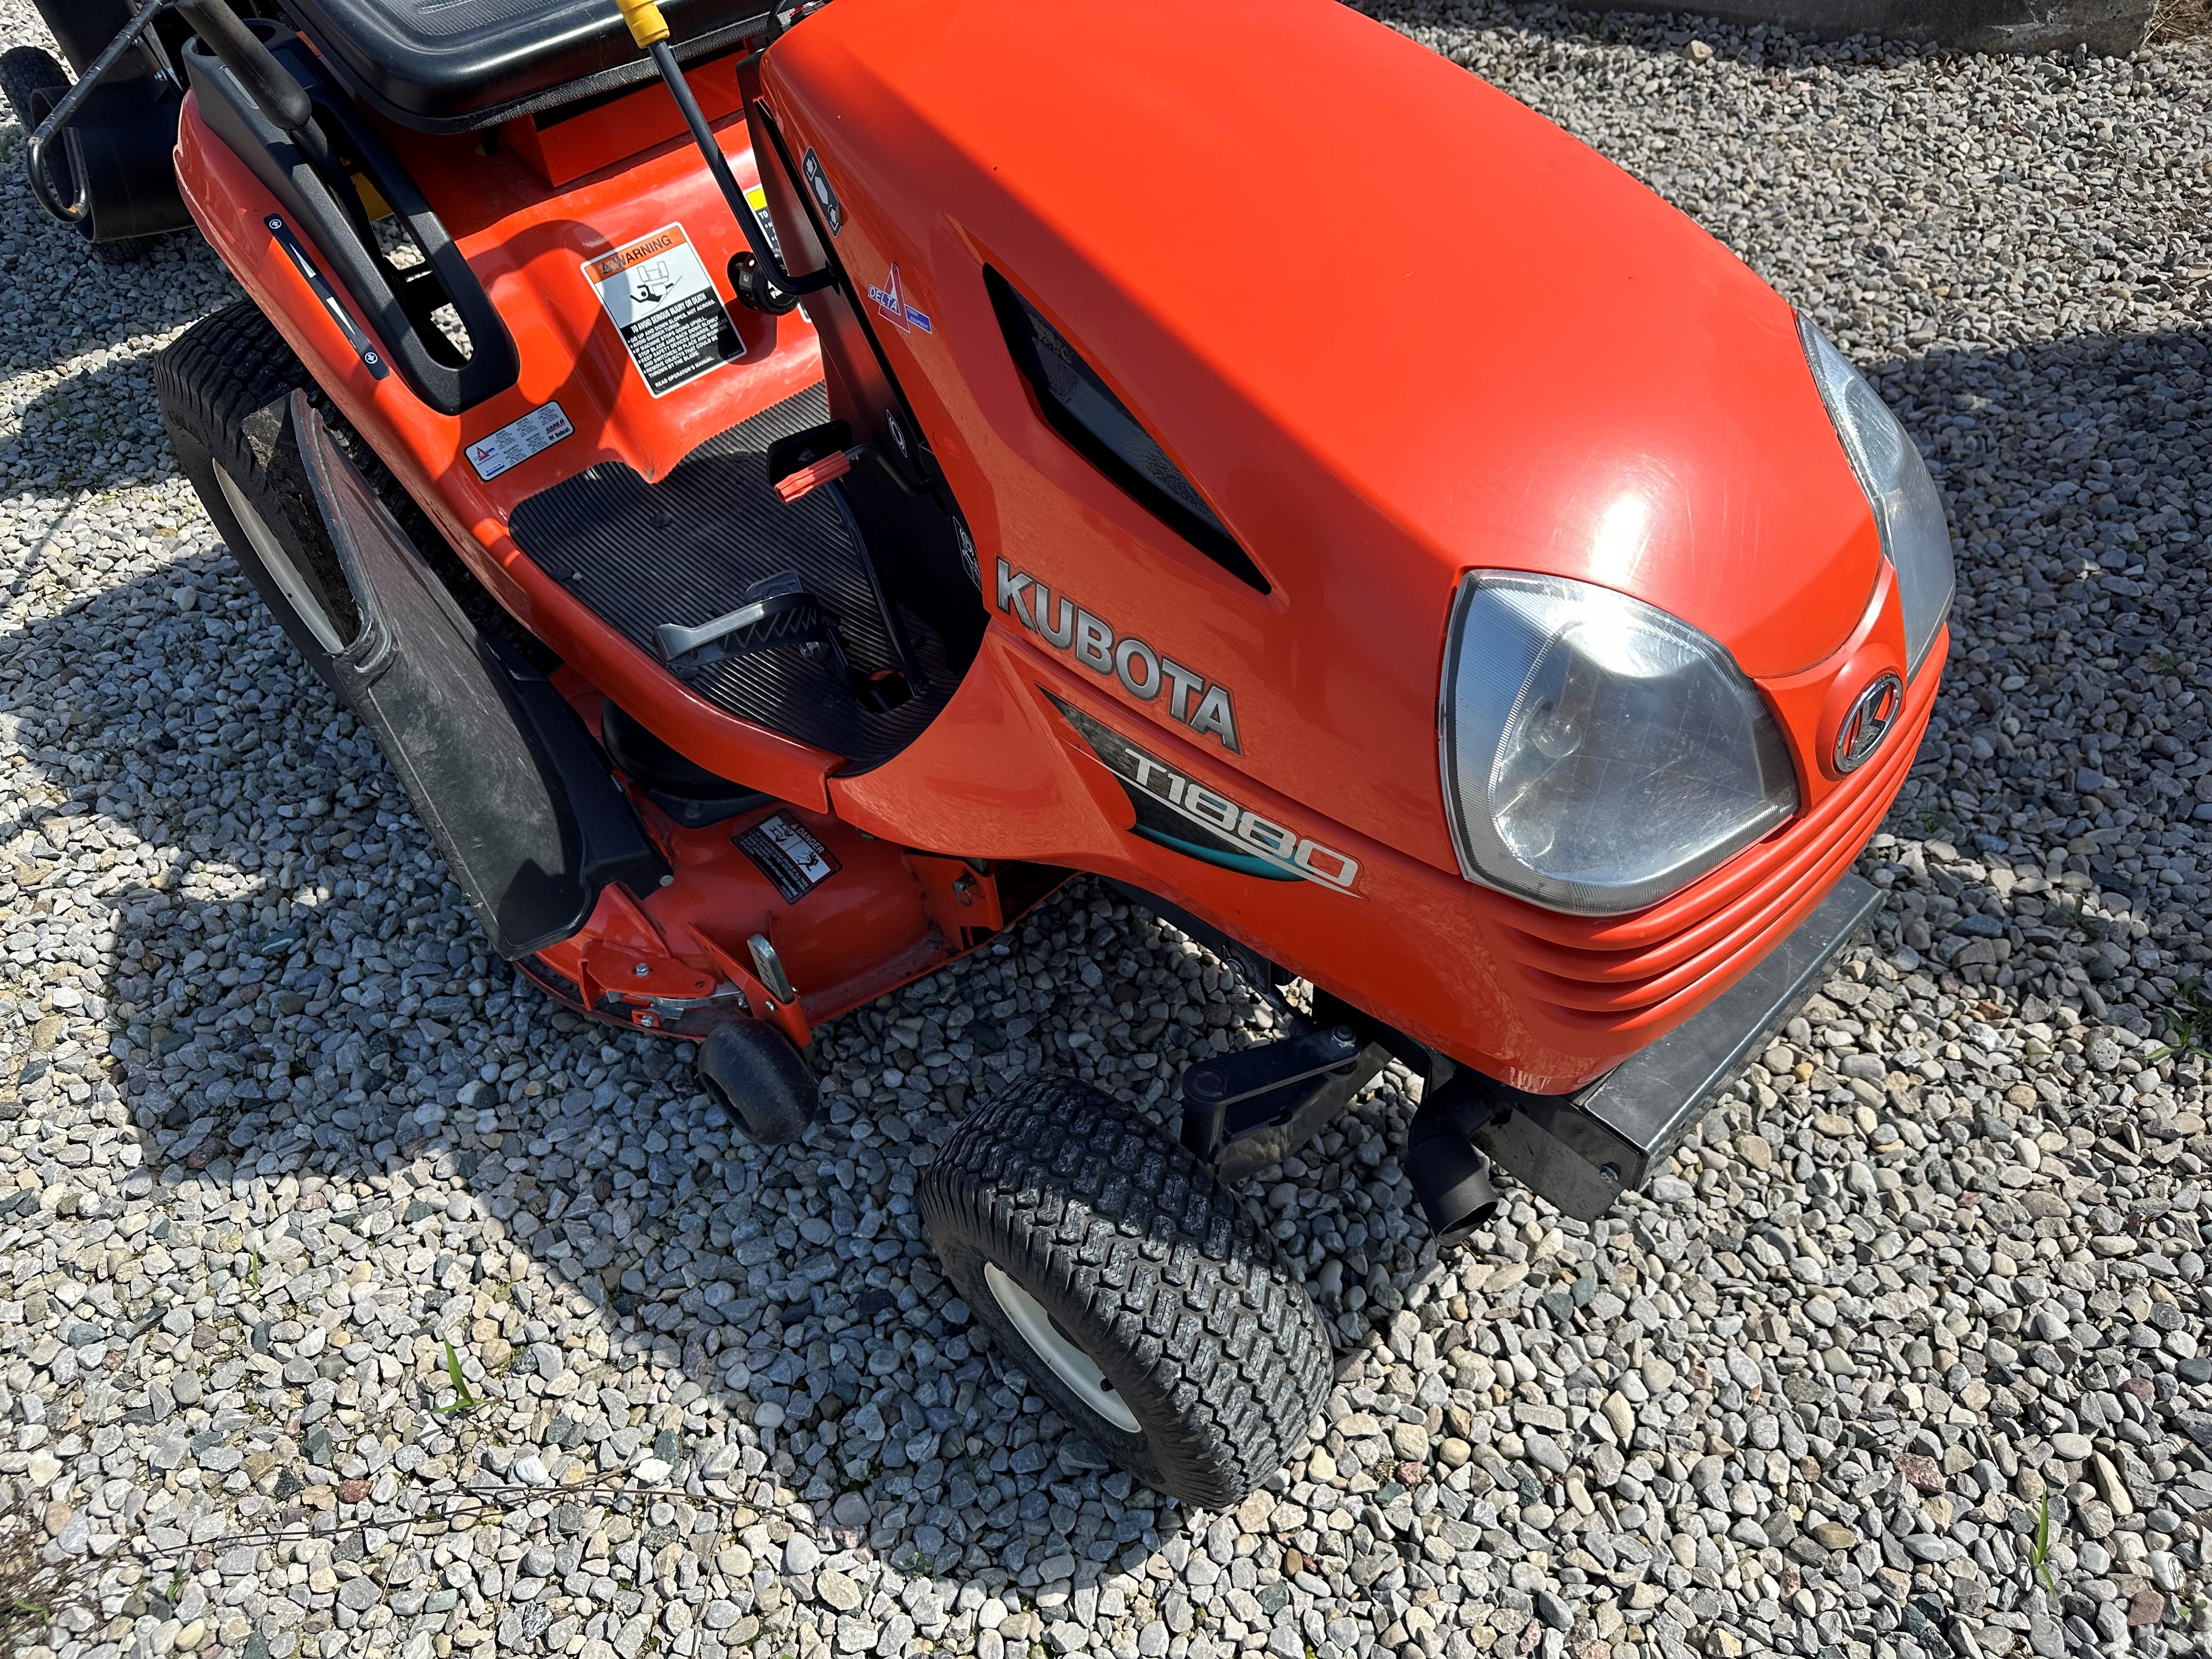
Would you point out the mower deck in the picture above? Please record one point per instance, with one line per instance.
(686, 549)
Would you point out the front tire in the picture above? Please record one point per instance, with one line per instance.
(1131, 1287)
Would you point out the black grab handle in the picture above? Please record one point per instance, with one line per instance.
(311, 180)
(268, 83)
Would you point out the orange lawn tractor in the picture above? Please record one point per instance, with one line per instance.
(788, 489)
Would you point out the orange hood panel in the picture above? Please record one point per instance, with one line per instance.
(1394, 325)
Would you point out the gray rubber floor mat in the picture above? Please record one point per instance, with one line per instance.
(684, 550)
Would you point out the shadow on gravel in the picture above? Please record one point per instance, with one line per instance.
(1760, 46)
(109, 412)
(281, 1042)
(2059, 465)
(172, 278)
(263, 1112)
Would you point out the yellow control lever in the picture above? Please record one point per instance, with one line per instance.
(647, 26)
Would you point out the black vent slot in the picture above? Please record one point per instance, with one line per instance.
(1083, 409)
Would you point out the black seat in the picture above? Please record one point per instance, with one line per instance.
(455, 66)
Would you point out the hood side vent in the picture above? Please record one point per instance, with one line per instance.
(1078, 404)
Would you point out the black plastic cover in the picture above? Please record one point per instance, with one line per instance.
(337, 227)
(674, 783)
(82, 29)
(455, 65)
(119, 150)
(531, 823)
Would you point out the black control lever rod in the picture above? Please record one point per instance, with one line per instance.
(267, 81)
(650, 30)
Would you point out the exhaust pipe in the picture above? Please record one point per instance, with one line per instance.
(1451, 1180)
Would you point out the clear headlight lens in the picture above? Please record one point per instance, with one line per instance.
(1915, 537)
(1598, 753)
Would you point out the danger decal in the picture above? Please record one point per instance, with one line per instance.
(662, 301)
(789, 855)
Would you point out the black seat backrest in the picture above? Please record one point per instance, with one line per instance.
(455, 65)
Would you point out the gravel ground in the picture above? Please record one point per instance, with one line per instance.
(354, 1302)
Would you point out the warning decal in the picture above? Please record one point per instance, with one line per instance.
(788, 855)
(660, 297)
(518, 440)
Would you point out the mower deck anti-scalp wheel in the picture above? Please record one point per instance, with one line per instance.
(753, 1070)
(1131, 1286)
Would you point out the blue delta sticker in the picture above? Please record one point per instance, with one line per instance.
(890, 300)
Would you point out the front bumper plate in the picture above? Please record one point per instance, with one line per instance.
(1581, 1151)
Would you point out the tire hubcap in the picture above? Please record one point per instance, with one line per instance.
(1052, 1345)
(277, 561)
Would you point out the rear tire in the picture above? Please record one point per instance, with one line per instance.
(224, 386)
(1131, 1287)
(25, 72)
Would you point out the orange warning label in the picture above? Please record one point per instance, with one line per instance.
(661, 300)
(613, 264)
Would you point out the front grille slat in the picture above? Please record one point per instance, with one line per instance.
(1658, 966)
(1707, 975)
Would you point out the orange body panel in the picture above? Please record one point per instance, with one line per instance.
(527, 244)
(1509, 354)
(1394, 325)
(1541, 1001)
(888, 916)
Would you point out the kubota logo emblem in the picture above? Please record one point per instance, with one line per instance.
(1868, 722)
(1143, 671)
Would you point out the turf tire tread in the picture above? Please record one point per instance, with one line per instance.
(1056, 1179)
(225, 384)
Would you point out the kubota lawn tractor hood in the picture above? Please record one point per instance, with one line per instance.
(1251, 328)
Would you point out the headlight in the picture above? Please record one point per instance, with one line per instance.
(1598, 753)
(1915, 536)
